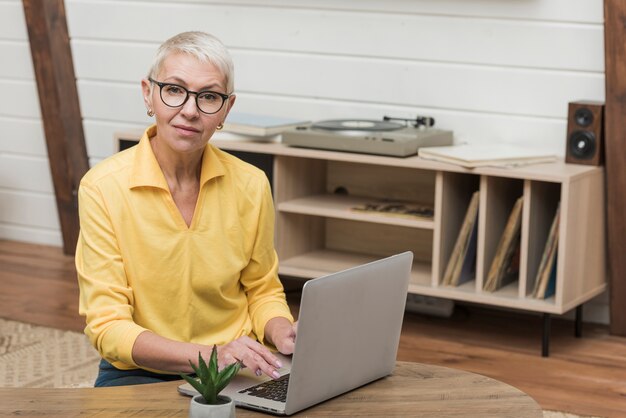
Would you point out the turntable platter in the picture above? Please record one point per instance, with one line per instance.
(356, 125)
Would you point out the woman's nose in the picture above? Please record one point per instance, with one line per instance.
(190, 107)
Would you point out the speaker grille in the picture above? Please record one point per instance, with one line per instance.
(583, 117)
(582, 144)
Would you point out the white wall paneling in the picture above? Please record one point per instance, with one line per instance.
(16, 60)
(12, 24)
(355, 33)
(22, 136)
(582, 11)
(27, 203)
(36, 235)
(37, 180)
(457, 86)
(28, 209)
(24, 101)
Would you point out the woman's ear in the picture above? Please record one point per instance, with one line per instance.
(147, 96)
(229, 105)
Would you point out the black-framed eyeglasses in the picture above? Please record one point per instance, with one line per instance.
(174, 95)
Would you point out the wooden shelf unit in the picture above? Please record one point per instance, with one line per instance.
(317, 232)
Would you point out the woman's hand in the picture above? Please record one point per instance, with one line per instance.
(282, 333)
(251, 354)
(153, 351)
(279, 331)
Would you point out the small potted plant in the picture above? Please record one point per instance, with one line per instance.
(210, 382)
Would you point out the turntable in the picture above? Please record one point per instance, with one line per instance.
(385, 137)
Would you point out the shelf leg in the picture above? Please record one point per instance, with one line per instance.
(545, 341)
(578, 330)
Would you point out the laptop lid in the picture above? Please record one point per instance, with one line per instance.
(348, 330)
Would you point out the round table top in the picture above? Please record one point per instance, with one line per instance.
(413, 390)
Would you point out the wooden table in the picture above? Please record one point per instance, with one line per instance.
(412, 390)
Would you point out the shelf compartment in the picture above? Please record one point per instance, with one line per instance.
(381, 182)
(324, 261)
(453, 198)
(340, 207)
(377, 240)
(497, 198)
(541, 201)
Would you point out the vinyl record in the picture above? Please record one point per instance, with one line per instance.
(357, 125)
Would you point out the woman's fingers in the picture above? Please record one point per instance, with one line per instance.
(286, 338)
(257, 362)
(227, 359)
(252, 355)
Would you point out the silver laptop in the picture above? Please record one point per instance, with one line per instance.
(348, 334)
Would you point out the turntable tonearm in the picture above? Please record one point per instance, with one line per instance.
(384, 137)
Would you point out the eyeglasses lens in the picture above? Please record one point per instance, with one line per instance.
(208, 101)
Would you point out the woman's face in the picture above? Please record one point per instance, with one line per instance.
(186, 129)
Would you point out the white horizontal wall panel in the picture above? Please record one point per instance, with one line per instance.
(29, 234)
(588, 11)
(455, 87)
(19, 98)
(112, 101)
(16, 60)
(12, 21)
(100, 60)
(22, 136)
(28, 209)
(456, 39)
(25, 173)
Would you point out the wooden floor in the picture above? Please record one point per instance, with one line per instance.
(586, 376)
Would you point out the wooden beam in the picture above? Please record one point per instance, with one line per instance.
(615, 154)
(60, 111)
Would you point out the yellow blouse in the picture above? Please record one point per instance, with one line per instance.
(141, 268)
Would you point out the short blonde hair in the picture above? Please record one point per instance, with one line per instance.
(201, 45)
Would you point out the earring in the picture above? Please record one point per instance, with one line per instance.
(150, 112)
(220, 126)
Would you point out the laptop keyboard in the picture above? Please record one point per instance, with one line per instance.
(275, 390)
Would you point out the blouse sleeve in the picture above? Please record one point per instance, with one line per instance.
(266, 297)
(106, 299)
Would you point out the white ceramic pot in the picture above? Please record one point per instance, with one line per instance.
(198, 408)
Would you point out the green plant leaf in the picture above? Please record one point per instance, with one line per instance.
(210, 394)
(204, 371)
(225, 376)
(195, 369)
(193, 382)
(213, 369)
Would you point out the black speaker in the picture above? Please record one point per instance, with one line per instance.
(584, 133)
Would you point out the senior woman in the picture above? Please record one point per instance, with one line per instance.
(176, 250)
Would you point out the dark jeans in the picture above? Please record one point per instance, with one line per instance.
(111, 376)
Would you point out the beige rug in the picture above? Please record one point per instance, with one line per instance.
(36, 356)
